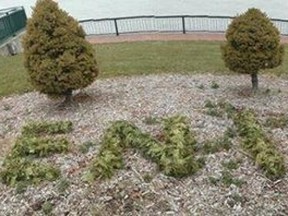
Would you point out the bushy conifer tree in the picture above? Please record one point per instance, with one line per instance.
(57, 56)
(253, 44)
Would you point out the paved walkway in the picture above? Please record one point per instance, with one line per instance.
(162, 37)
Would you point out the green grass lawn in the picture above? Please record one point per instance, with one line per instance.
(136, 58)
(159, 57)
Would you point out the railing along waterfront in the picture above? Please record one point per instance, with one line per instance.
(181, 24)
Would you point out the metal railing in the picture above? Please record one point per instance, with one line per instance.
(12, 20)
(183, 24)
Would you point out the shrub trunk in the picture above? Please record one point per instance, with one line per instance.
(254, 79)
(68, 98)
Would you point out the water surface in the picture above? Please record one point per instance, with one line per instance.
(118, 8)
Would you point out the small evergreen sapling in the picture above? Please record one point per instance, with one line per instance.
(57, 56)
(253, 44)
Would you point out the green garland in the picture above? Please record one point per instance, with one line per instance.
(258, 145)
(19, 167)
(174, 156)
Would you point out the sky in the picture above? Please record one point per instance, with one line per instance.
(118, 8)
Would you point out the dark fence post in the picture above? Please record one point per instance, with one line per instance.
(183, 25)
(116, 27)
